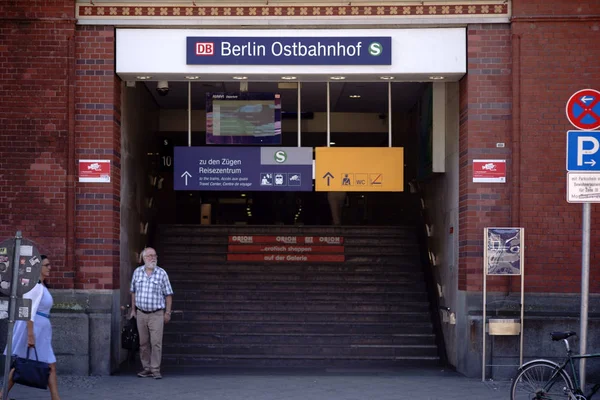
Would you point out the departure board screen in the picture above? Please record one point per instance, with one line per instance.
(243, 118)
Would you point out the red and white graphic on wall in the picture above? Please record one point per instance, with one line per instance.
(489, 171)
(94, 171)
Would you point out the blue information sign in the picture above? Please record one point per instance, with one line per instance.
(583, 151)
(285, 169)
(289, 50)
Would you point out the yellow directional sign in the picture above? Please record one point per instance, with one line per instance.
(359, 169)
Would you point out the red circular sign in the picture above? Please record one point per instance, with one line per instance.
(583, 109)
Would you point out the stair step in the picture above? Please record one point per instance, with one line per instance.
(299, 295)
(363, 351)
(406, 269)
(221, 258)
(299, 339)
(315, 306)
(373, 287)
(283, 230)
(185, 361)
(295, 327)
(349, 241)
(304, 316)
(326, 278)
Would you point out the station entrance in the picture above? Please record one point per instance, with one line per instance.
(291, 264)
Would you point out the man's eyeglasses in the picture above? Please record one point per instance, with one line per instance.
(150, 255)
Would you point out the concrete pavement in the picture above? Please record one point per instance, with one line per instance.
(420, 384)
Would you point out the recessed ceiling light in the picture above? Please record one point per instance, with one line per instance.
(436, 78)
(192, 78)
(386, 78)
(239, 78)
(288, 78)
(331, 143)
(338, 78)
(143, 78)
(354, 96)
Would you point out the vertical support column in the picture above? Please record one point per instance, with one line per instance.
(299, 116)
(189, 114)
(389, 114)
(438, 145)
(328, 115)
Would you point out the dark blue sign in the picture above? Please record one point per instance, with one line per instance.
(289, 50)
(284, 169)
(583, 151)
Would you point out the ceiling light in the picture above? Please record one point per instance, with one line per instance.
(338, 78)
(331, 143)
(386, 78)
(354, 96)
(143, 78)
(239, 78)
(436, 78)
(192, 78)
(288, 78)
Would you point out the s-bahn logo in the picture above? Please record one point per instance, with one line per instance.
(205, 49)
(375, 49)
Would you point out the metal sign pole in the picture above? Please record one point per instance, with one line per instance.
(483, 315)
(12, 307)
(585, 286)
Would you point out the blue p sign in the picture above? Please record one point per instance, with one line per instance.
(582, 151)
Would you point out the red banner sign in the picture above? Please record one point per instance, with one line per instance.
(489, 171)
(94, 171)
(282, 249)
(310, 240)
(286, 257)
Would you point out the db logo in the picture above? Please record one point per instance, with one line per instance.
(205, 49)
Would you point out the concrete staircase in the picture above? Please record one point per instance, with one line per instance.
(371, 310)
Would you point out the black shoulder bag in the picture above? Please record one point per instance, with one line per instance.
(32, 373)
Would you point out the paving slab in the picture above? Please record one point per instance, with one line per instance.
(413, 384)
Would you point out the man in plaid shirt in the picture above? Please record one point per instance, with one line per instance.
(151, 302)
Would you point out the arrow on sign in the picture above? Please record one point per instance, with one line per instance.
(186, 175)
(585, 99)
(328, 176)
(592, 163)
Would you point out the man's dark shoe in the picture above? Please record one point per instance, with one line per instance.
(145, 374)
(157, 375)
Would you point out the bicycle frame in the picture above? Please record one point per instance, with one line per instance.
(573, 371)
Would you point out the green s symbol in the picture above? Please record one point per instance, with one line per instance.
(280, 156)
(375, 49)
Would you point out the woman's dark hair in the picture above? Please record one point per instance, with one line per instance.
(45, 282)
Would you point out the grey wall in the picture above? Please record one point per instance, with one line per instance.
(440, 194)
(139, 124)
(544, 313)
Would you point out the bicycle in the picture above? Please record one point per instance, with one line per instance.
(546, 380)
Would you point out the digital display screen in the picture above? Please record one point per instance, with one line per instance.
(243, 118)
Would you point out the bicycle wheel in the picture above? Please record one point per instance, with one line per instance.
(533, 383)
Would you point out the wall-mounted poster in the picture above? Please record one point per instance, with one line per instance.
(243, 118)
(503, 251)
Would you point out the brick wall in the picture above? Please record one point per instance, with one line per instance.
(559, 56)
(485, 119)
(35, 38)
(98, 134)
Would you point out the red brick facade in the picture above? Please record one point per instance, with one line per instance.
(485, 120)
(36, 38)
(98, 135)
